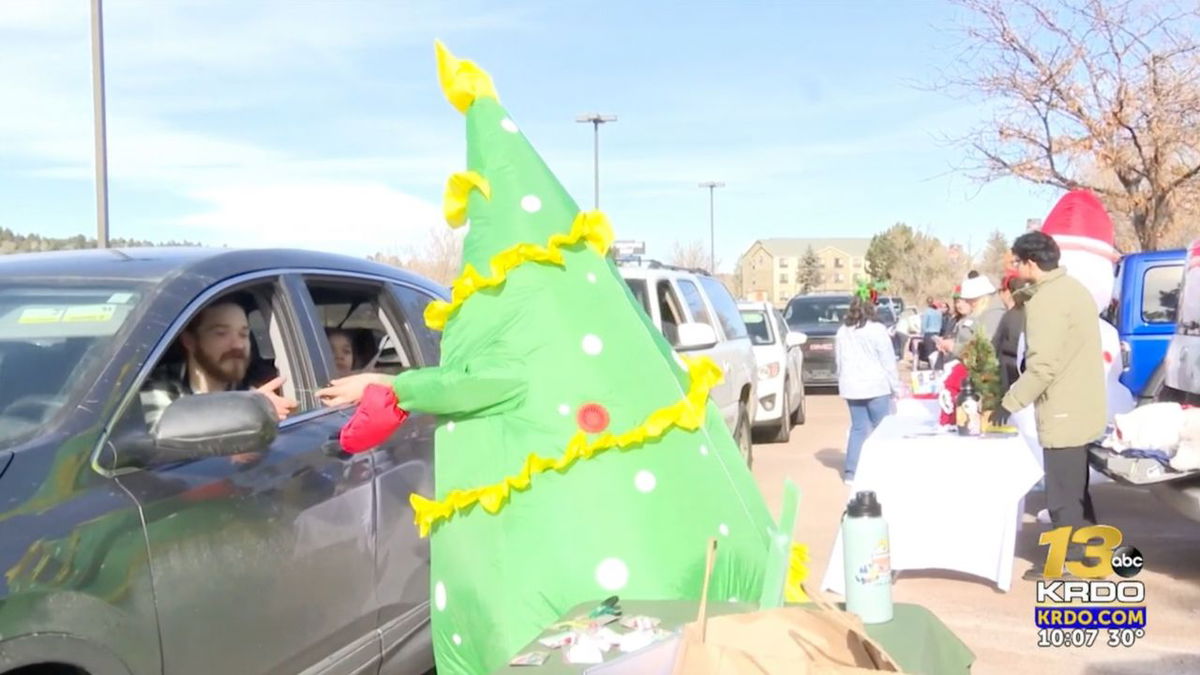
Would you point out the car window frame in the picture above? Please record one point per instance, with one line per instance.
(293, 337)
(700, 297)
(680, 306)
(427, 360)
(715, 310)
(388, 303)
(772, 331)
(1178, 287)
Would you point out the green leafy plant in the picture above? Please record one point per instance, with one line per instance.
(979, 357)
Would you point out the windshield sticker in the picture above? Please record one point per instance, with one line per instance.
(120, 298)
(89, 314)
(41, 315)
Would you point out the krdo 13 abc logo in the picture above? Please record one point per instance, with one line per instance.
(1103, 553)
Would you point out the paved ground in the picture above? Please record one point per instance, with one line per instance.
(997, 626)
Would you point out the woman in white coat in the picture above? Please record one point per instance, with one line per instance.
(867, 375)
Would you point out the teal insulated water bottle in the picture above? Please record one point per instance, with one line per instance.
(866, 558)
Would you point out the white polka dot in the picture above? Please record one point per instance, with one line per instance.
(531, 203)
(592, 345)
(733, 598)
(591, 277)
(644, 481)
(450, 426)
(439, 596)
(724, 529)
(704, 449)
(457, 639)
(781, 539)
(564, 410)
(509, 125)
(612, 574)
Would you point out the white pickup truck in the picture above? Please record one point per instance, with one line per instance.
(698, 316)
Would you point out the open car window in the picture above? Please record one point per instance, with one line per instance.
(357, 316)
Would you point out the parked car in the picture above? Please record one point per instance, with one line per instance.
(697, 315)
(818, 317)
(216, 539)
(1146, 297)
(1181, 383)
(778, 353)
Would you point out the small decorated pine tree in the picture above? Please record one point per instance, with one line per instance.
(979, 357)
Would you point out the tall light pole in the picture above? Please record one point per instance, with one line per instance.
(712, 185)
(596, 120)
(100, 126)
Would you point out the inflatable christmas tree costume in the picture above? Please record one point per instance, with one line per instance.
(577, 456)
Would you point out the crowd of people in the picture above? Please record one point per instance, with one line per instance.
(1048, 346)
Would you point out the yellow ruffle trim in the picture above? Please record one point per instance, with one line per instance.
(797, 573)
(590, 226)
(462, 81)
(458, 189)
(687, 413)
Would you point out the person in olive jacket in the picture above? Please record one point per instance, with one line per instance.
(1063, 380)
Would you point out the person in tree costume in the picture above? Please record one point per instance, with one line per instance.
(577, 456)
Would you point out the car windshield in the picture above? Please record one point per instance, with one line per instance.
(51, 337)
(809, 311)
(758, 326)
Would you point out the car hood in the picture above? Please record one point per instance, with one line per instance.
(817, 329)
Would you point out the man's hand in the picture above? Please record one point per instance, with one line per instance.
(349, 390)
(1000, 417)
(282, 404)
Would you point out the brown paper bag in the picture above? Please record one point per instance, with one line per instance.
(786, 640)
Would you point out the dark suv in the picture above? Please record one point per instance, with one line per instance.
(818, 317)
(218, 539)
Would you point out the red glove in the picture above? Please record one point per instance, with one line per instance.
(377, 416)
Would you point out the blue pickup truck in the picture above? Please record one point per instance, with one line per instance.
(1146, 297)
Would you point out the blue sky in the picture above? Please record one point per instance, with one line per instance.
(320, 124)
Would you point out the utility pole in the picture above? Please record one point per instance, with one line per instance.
(100, 125)
(596, 119)
(712, 229)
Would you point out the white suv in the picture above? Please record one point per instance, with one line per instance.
(698, 316)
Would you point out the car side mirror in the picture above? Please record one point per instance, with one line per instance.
(201, 426)
(795, 339)
(694, 336)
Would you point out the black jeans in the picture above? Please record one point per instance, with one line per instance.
(1067, 496)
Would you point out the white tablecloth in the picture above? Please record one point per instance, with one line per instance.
(951, 502)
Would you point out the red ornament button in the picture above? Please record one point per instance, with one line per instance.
(592, 418)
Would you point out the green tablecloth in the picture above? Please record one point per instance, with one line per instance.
(919, 642)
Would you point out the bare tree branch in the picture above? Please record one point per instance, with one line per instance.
(1095, 94)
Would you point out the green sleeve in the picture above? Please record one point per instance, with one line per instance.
(475, 389)
(1046, 332)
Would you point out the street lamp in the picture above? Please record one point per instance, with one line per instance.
(712, 185)
(100, 126)
(596, 119)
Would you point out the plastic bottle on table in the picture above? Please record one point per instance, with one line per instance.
(866, 557)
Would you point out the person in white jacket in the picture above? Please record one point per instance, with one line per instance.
(867, 375)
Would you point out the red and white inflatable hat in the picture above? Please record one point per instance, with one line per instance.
(1079, 222)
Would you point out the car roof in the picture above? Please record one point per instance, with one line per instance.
(755, 304)
(155, 264)
(823, 296)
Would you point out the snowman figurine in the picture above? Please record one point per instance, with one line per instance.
(1083, 230)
